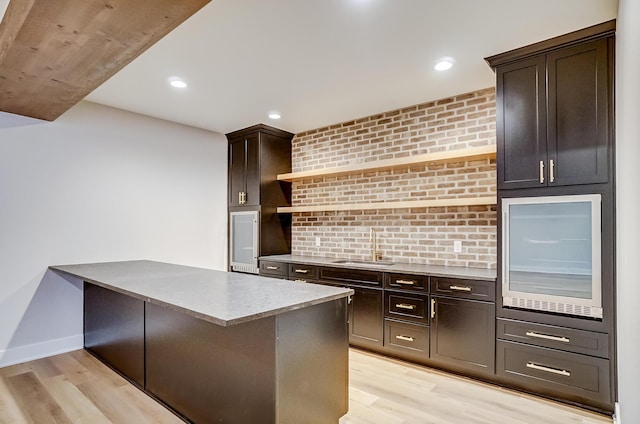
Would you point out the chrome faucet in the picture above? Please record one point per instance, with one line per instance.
(376, 255)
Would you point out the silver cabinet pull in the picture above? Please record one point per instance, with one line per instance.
(405, 306)
(406, 282)
(548, 337)
(301, 271)
(272, 267)
(548, 369)
(433, 308)
(460, 288)
(299, 281)
(551, 166)
(405, 338)
(541, 172)
(239, 197)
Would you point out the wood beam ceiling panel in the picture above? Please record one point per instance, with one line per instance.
(55, 52)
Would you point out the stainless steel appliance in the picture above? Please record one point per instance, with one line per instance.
(551, 256)
(243, 241)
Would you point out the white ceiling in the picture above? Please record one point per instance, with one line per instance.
(321, 62)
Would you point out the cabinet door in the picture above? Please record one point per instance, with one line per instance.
(521, 123)
(365, 318)
(236, 171)
(252, 171)
(463, 335)
(578, 114)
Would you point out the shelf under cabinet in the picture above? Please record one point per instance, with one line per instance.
(471, 153)
(464, 201)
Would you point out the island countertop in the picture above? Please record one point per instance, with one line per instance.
(223, 298)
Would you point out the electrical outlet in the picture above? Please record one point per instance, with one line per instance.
(457, 246)
(317, 241)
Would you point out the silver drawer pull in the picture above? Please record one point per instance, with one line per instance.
(301, 271)
(548, 337)
(273, 267)
(299, 281)
(460, 288)
(405, 338)
(547, 369)
(405, 306)
(406, 282)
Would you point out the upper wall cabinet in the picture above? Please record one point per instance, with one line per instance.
(256, 156)
(553, 111)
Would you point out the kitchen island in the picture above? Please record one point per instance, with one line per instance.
(216, 346)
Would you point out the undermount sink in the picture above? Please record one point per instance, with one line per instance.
(356, 262)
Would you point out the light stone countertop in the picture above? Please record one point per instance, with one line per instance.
(405, 268)
(223, 298)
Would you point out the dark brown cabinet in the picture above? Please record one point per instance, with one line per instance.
(553, 117)
(256, 156)
(463, 335)
(365, 317)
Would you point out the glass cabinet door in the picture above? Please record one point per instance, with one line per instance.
(244, 241)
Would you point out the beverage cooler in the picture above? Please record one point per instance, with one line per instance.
(551, 254)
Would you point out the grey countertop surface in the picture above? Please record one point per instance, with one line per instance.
(223, 298)
(406, 268)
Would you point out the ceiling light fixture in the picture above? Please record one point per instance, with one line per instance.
(274, 115)
(177, 82)
(444, 64)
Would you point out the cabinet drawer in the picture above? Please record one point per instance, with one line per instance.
(406, 282)
(305, 272)
(555, 373)
(303, 280)
(466, 289)
(569, 339)
(350, 276)
(407, 306)
(273, 269)
(407, 340)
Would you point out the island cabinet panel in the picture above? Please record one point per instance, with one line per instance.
(463, 335)
(114, 330)
(312, 364)
(209, 373)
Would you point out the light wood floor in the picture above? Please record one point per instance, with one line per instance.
(76, 388)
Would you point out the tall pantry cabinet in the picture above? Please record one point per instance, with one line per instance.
(256, 156)
(555, 137)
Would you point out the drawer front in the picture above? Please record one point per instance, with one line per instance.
(303, 280)
(406, 282)
(307, 272)
(409, 341)
(466, 289)
(407, 306)
(569, 339)
(570, 376)
(350, 276)
(273, 269)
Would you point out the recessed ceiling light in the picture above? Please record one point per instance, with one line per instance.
(177, 82)
(444, 64)
(274, 115)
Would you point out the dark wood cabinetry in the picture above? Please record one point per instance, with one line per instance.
(256, 156)
(365, 317)
(462, 330)
(554, 123)
(554, 116)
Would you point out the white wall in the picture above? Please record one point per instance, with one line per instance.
(628, 208)
(99, 184)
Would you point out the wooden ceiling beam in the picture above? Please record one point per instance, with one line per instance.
(55, 52)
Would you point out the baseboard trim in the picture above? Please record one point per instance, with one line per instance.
(616, 414)
(19, 354)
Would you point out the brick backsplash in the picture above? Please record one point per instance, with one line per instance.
(417, 235)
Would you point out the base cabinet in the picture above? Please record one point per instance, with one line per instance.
(365, 318)
(463, 334)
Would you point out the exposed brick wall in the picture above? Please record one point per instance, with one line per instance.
(420, 235)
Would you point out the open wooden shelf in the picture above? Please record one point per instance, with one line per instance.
(464, 201)
(471, 153)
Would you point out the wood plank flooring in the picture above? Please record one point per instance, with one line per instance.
(77, 388)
